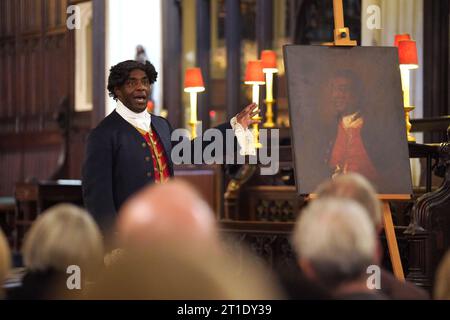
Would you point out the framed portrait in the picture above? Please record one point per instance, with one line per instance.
(346, 115)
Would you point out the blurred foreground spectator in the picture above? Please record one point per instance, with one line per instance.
(336, 243)
(170, 249)
(356, 187)
(5, 261)
(442, 279)
(62, 236)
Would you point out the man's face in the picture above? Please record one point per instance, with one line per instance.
(134, 92)
(342, 96)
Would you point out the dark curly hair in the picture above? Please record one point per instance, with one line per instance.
(119, 73)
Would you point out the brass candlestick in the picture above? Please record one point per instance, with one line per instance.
(193, 119)
(411, 138)
(193, 125)
(406, 101)
(256, 132)
(254, 76)
(269, 59)
(269, 115)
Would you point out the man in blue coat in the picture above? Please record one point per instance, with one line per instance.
(131, 148)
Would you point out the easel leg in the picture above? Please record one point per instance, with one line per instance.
(392, 242)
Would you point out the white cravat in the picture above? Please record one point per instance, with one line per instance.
(141, 120)
(244, 138)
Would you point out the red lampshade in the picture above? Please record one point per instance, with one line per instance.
(401, 37)
(269, 61)
(407, 51)
(193, 80)
(254, 73)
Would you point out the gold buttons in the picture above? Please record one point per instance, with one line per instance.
(144, 144)
(147, 159)
(149, 174)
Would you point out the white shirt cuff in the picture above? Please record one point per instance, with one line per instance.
(244, 138)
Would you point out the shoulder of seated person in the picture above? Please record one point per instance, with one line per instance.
(397, 289)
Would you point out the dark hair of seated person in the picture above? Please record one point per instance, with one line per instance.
(43, 285)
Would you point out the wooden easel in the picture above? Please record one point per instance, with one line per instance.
(341, 33)
(390, 233)
(342, 39)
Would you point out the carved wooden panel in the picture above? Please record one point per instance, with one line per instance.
(275, 210)
(36, 86)
(31, 19)
(27, 157)
(429, 230)
(8, 76)
(269, 241)
(10, 171)
(7, 20)
(270, 203)
(36, 52)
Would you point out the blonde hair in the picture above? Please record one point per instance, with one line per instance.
(355, 187)
(442, 282)
(63, 235)
(5, 258)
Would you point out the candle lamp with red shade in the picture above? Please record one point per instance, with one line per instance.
(193, 84)
(408, 59)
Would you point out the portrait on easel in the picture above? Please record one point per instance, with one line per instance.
(346, 115)
(342, 111)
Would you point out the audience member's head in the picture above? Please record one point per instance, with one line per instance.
(171, 273)
(442, 282)
(173, 213)
(171, 249)
(335, 241)
(356, 187)
(63, 235)
(5, 260)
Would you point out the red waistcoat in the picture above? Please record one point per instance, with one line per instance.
(160, 163)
